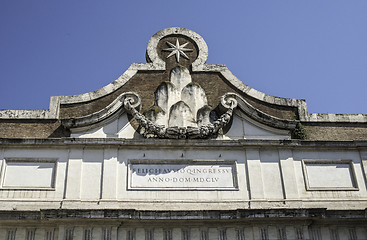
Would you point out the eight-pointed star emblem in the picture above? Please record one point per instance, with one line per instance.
(178, 50)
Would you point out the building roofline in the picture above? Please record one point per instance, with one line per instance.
(199, 65)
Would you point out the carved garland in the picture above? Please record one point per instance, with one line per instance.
(151, 130)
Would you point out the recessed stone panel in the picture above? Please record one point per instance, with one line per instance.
(29, 173)
(183, 175)
(329, 175)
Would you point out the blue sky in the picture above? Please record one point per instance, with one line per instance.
(314, 50)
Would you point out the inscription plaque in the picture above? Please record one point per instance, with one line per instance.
(188, 175)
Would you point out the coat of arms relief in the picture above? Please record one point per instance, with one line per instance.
(181, 107)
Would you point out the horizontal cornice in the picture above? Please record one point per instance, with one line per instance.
(131, 214)
(168, 143)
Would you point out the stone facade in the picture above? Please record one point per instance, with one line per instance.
(178, 149)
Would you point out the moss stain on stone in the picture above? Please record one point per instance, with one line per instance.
(299, 132)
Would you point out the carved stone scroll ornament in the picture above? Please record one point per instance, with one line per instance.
(103, 116)
(149, 129)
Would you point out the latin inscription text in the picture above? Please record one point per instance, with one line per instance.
(180, 176)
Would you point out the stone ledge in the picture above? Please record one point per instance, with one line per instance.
(240, 214)
(337, 118)
(167, 143)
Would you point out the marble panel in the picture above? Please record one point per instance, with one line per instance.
(329, 175)
(29, 173)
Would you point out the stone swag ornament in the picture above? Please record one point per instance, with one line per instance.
(181, 110)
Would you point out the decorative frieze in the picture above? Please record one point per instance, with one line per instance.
(130, 234)
(167, 234)
(88, 232)
(69, 233)
(223, 231)
(11, 233)
(30, 234)
(50, 234)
